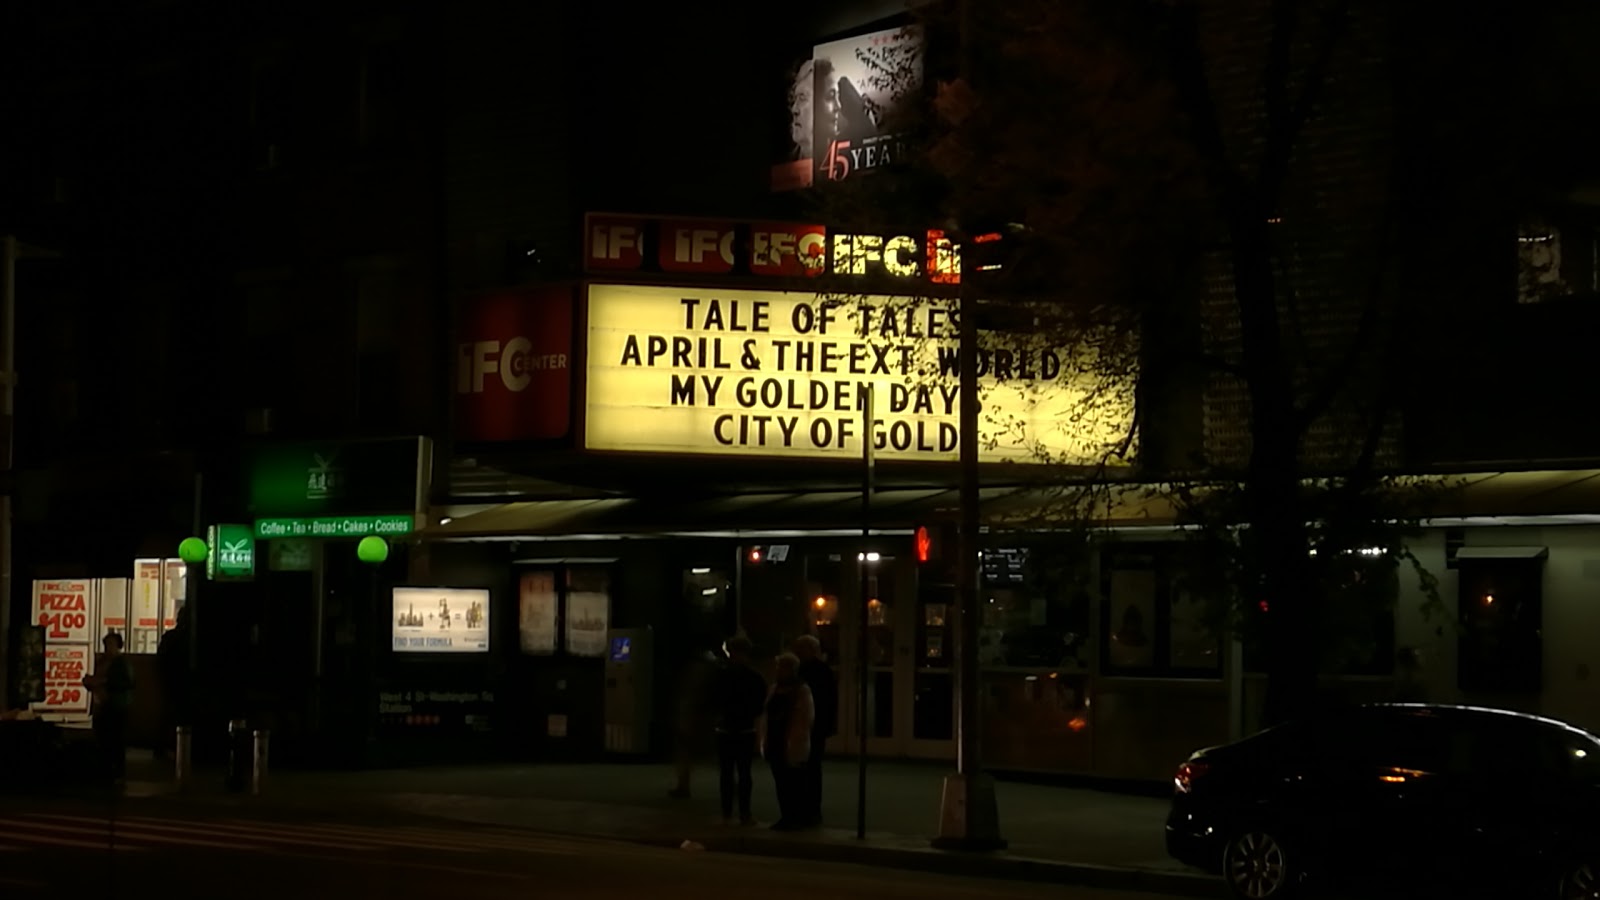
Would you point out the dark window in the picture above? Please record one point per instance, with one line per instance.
(384, 94)
(1154, 620)
(270, 103)
(1556, 256)
(1501, 607)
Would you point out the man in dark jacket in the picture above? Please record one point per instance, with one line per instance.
(739, 694)
(814, 671)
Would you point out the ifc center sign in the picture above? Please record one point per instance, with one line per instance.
(786, 374)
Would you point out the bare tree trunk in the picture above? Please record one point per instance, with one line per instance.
(1275, 537)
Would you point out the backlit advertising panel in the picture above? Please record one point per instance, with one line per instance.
(786, 374)
(440, 620)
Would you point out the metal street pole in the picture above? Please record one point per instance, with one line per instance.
(969, 817)
(8, 372)
(863, 670)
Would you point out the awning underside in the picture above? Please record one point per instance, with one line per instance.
(1571, 495)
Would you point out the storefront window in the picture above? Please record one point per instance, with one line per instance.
(572, 603)
(825, 582)
(588, 611)
(1035, 608)
(1155, 622)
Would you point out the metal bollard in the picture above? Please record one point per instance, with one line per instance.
(239, 749)
(258, 771)
(183, 754)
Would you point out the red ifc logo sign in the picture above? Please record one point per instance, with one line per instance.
(514, 367)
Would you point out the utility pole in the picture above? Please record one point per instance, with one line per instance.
(969, 817)
(8, 372)
(11, 252)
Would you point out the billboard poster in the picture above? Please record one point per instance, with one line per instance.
(174, 585)
(114, 606)
(513, 366)
(65, 666)
(536, 594)
(588, 614)
(847, 107)
(62, 608)
(440, 620)
(144, 610)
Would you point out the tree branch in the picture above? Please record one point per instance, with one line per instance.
(1194, 93)
(1285, 119)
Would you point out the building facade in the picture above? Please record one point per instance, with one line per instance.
(430, 242)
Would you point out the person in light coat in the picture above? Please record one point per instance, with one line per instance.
(790, 714)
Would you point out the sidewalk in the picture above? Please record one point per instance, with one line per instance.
(1056, 834)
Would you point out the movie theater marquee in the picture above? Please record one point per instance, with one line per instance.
(785, 374)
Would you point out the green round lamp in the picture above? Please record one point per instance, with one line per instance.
(193, 550)
(372, 550)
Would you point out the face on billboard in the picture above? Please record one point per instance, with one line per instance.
(513, 374)
(788, 374)
(851, 96)
(440, 620)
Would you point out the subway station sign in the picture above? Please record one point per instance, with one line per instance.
(334, 527)
(786, 374)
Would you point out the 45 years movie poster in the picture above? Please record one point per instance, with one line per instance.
(846, 104)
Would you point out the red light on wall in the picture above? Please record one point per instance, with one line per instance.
(987, 238)
(924, 544)
(755, 554)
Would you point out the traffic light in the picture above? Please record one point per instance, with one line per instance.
(934, 548)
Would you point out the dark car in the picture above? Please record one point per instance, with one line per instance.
(1417, 798)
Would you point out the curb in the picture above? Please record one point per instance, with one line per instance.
(967, 865)
(999, 866)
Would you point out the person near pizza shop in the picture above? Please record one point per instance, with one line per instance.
(172, 662)
(112, 688)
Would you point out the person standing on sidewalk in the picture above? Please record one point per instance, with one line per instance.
(787, 742)
(112, 688)
(694, 719)
(738, 694)
(817, 675)
(172, 661)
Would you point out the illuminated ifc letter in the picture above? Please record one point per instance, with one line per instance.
(480, 358)
(608, 241)
(852, 252)
(692, 245)
(770, 248)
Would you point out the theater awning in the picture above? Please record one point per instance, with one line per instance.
(1543, 497)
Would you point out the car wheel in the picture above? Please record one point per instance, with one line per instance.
(1258, 866)
(1580, 882)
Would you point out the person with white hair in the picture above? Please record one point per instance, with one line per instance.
(814, 671)
(787, 741)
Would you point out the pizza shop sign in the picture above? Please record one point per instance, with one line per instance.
(615, 244)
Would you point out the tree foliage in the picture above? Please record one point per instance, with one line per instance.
(1221, 186)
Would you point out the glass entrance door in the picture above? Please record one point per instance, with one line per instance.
(908, 698)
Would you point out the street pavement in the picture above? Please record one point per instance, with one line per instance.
(55, 850)
(1055, 833)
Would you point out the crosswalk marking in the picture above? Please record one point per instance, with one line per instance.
(428, 838)
(139, 833)
(224, 832)
(86, 841)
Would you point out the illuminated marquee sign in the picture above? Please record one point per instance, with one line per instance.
(774, 373)
(767, 250)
